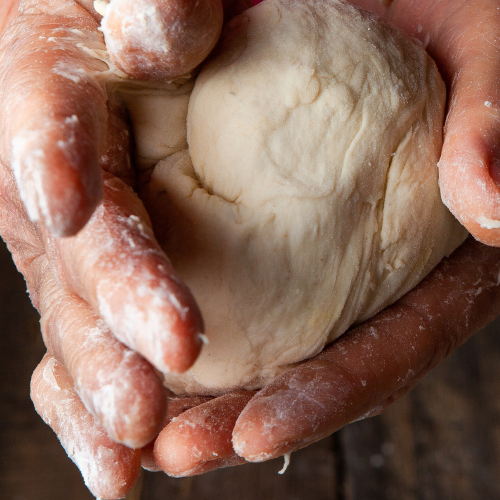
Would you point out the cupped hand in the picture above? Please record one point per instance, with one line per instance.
(113, 311)
(379, 361)
(65, 141)
(92, 389)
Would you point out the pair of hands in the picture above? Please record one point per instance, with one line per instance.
(103, 293)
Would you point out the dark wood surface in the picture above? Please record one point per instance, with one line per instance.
(441, 441)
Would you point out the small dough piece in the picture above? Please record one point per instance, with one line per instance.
(158, 117)
(308, 199)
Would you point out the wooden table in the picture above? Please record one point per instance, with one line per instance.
(441, 441)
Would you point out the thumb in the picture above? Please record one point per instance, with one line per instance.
(469, 169)
(159, 40)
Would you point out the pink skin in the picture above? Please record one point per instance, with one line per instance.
(203, 436)
(70, 283)
(8, 10)
(110, 392)
(81, 435)
(464, 40)
(176, 406)
(116, 265)
(120, 391)
(161, 40)
(53, 144)
(115, 384)
(357, 376)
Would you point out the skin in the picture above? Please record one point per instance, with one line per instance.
(165, 58)
(463, 39)
(82, 435)
(392, 351)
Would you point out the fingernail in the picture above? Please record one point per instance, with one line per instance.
(28, 163)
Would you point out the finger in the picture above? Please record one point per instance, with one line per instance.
(161, 40)
(469, 169)
(116, 265)
(89, 6)
(176, 406)
(463, 37)
(377, 362)
(199, 440)
(116, 159)
(109, 469)
(19, 233)
(116, 385)
(53, 112)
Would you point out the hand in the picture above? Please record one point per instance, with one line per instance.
(378, 362)
(89, 387)
(57, 145)
(114, 266)
(463, 39)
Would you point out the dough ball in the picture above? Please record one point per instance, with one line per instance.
(308, 197)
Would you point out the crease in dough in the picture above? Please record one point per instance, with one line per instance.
(303, 195)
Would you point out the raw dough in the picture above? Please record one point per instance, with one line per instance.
(308, 199)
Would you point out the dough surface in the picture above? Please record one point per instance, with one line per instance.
(307, 199)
